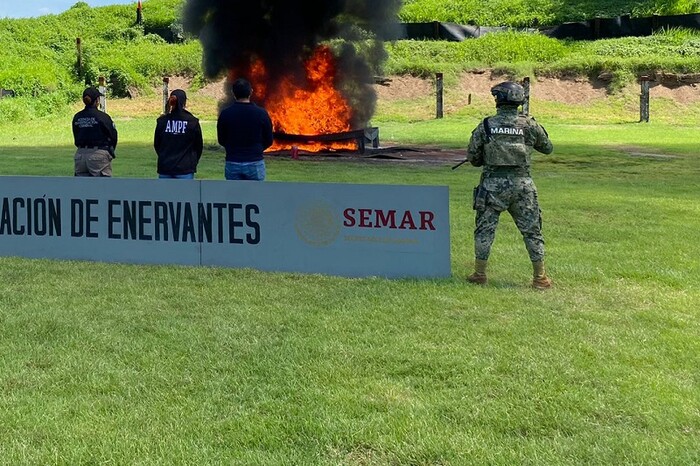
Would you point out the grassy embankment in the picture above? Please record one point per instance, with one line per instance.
(40, 59)
(529, 13)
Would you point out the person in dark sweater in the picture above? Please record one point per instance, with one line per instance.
(95, 136)
(178, 140)
(245, 131)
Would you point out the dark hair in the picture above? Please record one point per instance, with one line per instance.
(241, 88)
(172, 103)
(177, 101)
(91, 95)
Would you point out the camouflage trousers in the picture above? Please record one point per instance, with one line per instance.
(517, 195)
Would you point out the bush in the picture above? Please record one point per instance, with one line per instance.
(527, 13)
(15, 109)
(40, 59)
(427, 57)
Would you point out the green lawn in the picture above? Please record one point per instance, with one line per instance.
(125, 364)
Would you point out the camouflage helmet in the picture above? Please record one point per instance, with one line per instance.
(508, 93)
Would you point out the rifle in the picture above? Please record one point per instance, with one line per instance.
(487, 129)
(460, 163)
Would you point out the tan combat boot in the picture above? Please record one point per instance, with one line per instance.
(479, 275)
(539, 276)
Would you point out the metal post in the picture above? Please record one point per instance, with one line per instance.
(526, 104)
(166, 81)
(372, 137)
(103, 90)
(644, 100)
(439, 90)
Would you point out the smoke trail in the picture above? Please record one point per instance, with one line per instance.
(283, 34)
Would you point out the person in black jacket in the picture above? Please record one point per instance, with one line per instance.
(178, 140)
(245, 131)
(95, 137)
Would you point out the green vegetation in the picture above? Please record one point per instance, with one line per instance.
(671, 51)
(40, 60)
(527, 13)
(125, 364)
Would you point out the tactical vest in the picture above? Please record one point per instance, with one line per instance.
(506, 144)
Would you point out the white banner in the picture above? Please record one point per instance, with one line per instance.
(338, 229)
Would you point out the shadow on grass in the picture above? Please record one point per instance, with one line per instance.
(611, 159)
(138, 160)
(133, 160)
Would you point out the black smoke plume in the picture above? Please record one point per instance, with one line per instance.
(284, 33)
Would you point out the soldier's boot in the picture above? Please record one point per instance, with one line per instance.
(479, 275)
(540, 280)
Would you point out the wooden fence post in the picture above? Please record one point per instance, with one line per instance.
(79, 63)
(139, 14)
(439, 91)
(103, 90)
(644, 100)
(526, 103)
(166, 81)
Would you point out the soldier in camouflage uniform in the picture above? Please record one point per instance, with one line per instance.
(503, 145)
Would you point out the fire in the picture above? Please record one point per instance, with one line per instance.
(312, 108)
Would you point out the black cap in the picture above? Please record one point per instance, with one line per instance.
(181, 98)
(93, 93)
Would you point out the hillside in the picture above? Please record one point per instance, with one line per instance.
(41, 63)
(527, 13)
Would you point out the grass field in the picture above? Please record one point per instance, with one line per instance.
(125, 364)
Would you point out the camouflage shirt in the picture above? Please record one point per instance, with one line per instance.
(509, 143)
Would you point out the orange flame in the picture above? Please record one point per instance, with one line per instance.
(311, 108)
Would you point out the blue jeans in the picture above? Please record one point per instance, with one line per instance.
(245, 170)
(186, 176)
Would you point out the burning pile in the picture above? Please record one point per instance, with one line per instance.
(311, 62)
